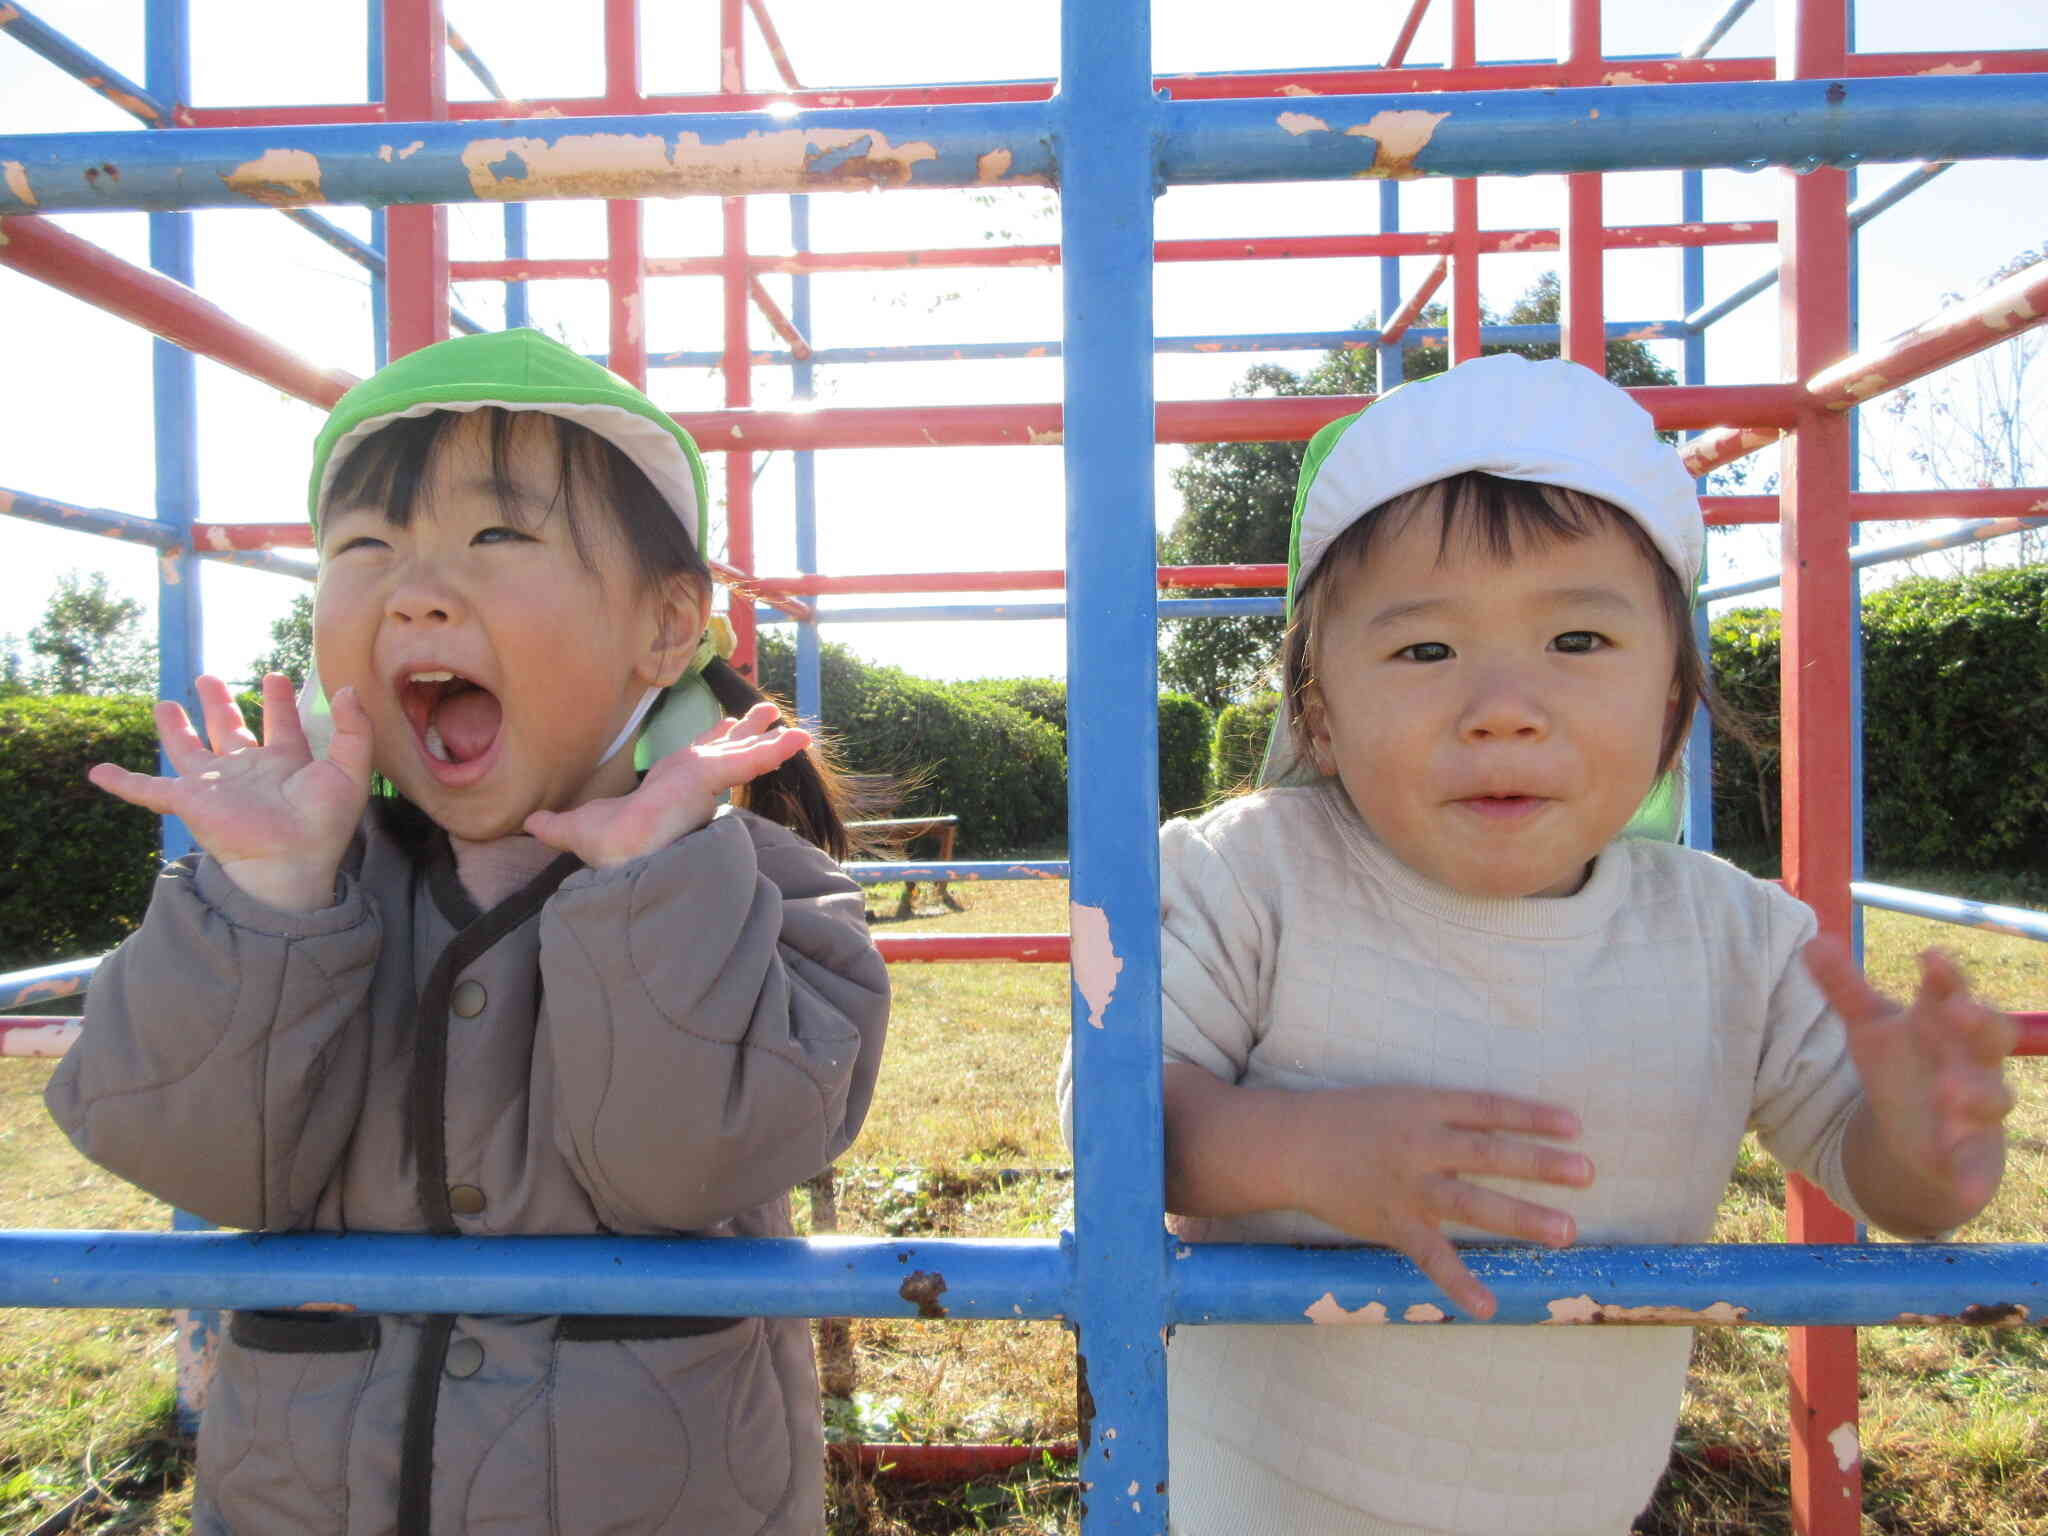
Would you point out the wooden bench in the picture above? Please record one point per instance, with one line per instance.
(906, 830)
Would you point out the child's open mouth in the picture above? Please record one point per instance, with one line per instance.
(455, 720)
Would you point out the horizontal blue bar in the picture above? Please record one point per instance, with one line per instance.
(1746, 126)
(1176, 608)
(1780, 1284)
(977, 1279)
(2017, 922)
(878, 872)
(1272, 341)
(375, 1272)
(40, 37)
(46, 982)
(62, 514)
(1800, 124)
(1862, 556)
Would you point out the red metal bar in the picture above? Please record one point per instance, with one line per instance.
(943, 1463)
(732, 74)
(1465, 342)
(1999, 61)
(1273, 576)
(625, 242)
(53, 255)
(29, 1036)
(1818, 472)
(1464, 35)
(1298, 247)
(1412, 306)
(738, 363)
(1034, 948)
(2033, 1039)
(1585, 308)
(416, 87)
(774, 41)
(781, 324)
(1398, 54)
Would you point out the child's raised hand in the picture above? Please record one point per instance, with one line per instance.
(679, 793)
(1930, 1150)
(273, 816)
(1391, 1167)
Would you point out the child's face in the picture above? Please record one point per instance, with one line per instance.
(1496, 724)
(548, 654)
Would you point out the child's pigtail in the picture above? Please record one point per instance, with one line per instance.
(808, 794)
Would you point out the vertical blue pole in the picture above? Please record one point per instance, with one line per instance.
(1699, 747)
(380, 336)
(178, 634)
(518, 311)
(810, 705)
(1104, 123)
(1388, 365)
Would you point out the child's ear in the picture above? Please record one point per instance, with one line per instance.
(1315, 720)
(675, 625)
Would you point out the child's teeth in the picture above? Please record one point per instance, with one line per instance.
(436, 747)
(433, 677)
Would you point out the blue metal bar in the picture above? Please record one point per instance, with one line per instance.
(40, 37)
(1863, 556)
(1698, 316)
(2015, 922)
(879, 872)
(1699, 744)
(467, 54)
(1271, 341)
(381, 1272)
(1775, 1284)
(518, 296)
(1387, 363)
(1104, 120)
(1177, 608)
(1748, 125)
(1675, 1285)
(62, 514)
(810, 703)
(46, 983)
(367, 256)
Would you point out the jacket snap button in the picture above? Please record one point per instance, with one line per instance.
(465, 1358)
(465, 1199)
(469, 1000)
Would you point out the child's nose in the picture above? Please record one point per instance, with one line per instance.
(422, 595)
(1505, 708)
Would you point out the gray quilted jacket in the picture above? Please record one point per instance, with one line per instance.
(664, 1047)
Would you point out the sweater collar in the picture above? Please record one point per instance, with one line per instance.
(1515, 917)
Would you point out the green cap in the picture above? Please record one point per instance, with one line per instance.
(518, 370)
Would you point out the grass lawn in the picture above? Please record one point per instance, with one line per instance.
(962, 1141)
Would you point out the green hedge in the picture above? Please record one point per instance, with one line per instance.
(79, 863)
(1955, 736)
(1183, 754)
(1239, 744)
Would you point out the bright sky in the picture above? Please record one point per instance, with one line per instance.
(77, 420)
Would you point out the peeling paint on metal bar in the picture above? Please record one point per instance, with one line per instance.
(1398, 137)
(1327, 1310)
(16, 176)
(282, 178)
(1095, 960)
(1580, 1310)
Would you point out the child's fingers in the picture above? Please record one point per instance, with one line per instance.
(225, 727)
(1509, 1157)
(1439, 1261)
(188, 754)
(281, 724)
(1842, 984)
(1499, 1112)
(350, 746)
(758, 721)
(143, 789)
(1488, 1210)
(747, 760)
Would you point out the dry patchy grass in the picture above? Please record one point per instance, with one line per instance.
(962, 1141)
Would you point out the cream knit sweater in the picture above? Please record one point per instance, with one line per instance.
(1664, 1003)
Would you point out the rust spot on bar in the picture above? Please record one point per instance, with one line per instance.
(1327, 1310)
(16, 175)
(922, 1289)
(282, 178)
(993, 166)
(1299, 90)
(614, 165)
(1397, 138)
(1623, 77)
(1584, 1309)
(1974, 67)
(1040, 439)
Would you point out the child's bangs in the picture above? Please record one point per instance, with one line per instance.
(390, 469)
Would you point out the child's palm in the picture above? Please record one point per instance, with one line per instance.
(275, 817)
(678, 795)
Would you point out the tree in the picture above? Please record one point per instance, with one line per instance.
(91, 641)
(1237, 499)
(291, 644)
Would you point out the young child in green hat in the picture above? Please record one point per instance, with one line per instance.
(1421, 970)
(527, 990)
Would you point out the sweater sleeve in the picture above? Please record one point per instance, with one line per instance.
(1807, 1089)
(1211, 943)
(715, 1014)
(223, 1057)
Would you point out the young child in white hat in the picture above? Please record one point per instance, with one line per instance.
(1421, 970)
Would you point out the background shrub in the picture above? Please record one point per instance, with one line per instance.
(79, 863)
(1239, 743)
(1183, 754)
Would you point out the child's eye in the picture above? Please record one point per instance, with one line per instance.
(500, 534)
(1580, 641)
(1425, 650)
(361, 541)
